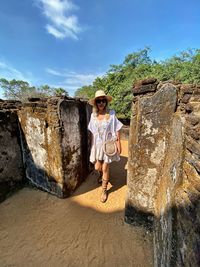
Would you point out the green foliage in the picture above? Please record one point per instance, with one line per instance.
(85, 92)
(21, 90)
(18, 90)
(119, 79)
(60, 91)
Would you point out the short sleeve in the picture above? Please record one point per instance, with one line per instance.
(118, 124)
(90, 125)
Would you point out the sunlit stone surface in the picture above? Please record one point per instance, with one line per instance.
(163, 170)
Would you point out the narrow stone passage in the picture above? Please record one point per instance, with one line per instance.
(38, 229)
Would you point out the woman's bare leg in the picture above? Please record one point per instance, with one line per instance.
(105, 169)
(98, 167)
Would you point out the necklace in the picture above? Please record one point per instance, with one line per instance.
(101, 128)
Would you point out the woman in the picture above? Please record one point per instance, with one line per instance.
(103, 125)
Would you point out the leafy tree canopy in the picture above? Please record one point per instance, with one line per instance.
(119, 79)
(21, 90)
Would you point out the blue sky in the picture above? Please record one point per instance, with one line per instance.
(68, 43)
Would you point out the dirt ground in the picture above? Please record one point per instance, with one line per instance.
(38, 229)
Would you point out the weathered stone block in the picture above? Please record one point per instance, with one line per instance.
(187, 88)
(146, 81)
(187, 226)
(74, 143)
(141, 89)
(164, 171)
(148, 142)
(192, 119)
(193, 146)
(195, 108)
(55, 149)
(192, 167)
(10, 104)
(186, 98)
(11, 166)
(192, 133)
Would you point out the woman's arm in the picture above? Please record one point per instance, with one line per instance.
(118, 143)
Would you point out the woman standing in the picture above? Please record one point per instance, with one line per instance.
(103, 125)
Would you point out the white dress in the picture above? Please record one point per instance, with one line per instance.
(100, 130)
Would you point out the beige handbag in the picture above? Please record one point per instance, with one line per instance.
(109, 146)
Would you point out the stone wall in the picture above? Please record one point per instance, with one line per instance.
(54, 141)
(187, 195)
(44, 141)
(163, 170)
(11, 166)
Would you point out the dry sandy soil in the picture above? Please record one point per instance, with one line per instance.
(38, 229)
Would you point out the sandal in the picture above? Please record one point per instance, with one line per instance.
(104, 194)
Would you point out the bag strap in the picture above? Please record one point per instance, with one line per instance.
(113, 128)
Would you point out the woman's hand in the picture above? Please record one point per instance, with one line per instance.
(119, 147)
(118, 143)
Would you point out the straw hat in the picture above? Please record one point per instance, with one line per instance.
(98, 94)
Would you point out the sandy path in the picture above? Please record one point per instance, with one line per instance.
(38, 229)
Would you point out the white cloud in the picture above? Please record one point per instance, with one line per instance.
(54, 72)
(55, 32)
(8, 72)
(61, 23)
(73, 80)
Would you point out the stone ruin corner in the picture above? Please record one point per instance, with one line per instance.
(44, 141)
(163, 169)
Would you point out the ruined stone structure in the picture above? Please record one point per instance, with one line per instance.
(163, 170)
(46, 142)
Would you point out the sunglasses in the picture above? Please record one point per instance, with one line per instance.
(99, 101)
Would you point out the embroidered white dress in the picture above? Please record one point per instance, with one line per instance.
(100, 130)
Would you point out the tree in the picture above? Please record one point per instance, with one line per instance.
(119, 79)
(85, 91)
(60, 91)
(18, 90)
(21, 90)
(138, 58)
